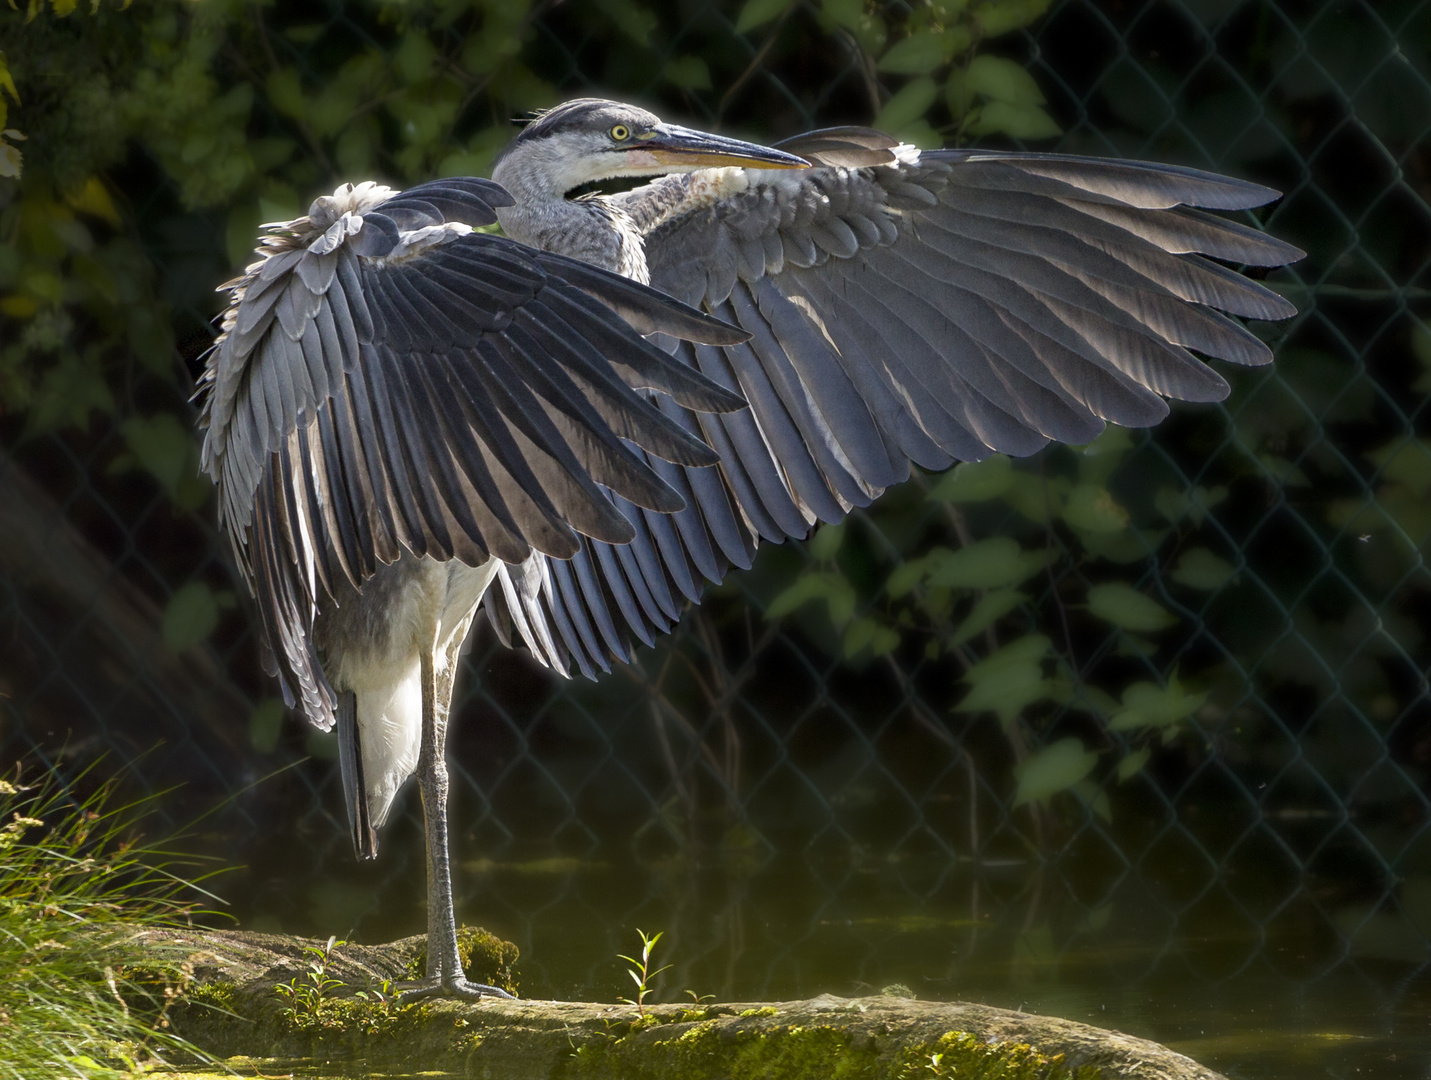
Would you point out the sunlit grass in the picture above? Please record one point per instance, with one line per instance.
(76, 884)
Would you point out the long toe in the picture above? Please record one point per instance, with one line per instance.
(461, 989)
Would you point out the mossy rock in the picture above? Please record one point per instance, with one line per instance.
(232, 1009)
(485, 957)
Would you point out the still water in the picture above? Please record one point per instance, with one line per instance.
(1283, 996)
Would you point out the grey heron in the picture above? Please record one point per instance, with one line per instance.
(407, 418)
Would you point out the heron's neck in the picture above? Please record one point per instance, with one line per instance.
(596, 231)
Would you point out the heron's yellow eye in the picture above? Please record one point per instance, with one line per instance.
(621, 133)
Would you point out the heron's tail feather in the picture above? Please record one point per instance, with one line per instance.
(355, 788)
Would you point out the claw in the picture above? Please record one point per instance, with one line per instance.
(460, 989)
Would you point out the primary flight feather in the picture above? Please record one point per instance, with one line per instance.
(406, 416)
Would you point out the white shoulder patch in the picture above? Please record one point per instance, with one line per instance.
(904, 154)
(785, 181)
(712, 185)
(419, 240)
(347, 199)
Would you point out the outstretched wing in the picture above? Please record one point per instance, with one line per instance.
(390, 379)
(937, 308)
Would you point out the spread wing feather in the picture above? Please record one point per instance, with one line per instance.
(389, 379)
(908, 308)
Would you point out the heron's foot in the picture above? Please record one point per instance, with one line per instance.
(461, 989)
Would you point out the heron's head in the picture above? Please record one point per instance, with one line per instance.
(590, 139)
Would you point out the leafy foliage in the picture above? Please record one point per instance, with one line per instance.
(1071, 597)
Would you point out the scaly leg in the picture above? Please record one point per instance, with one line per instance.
(444, 969)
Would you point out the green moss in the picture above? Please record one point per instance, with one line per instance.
(709, 1051)
(897, 990)
(688, 1016)
(959, 1055)
(764, 1010)
(223, 996)
(485, 957)
(705, 1052)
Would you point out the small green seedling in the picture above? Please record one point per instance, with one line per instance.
(305, 996)
(384, 996)
(640, 971)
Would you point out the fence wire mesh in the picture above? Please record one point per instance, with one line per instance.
(797, 821)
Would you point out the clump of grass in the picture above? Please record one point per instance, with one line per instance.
(75, 885)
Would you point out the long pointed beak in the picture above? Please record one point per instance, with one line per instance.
(673, 145)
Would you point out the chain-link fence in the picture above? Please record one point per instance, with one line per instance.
(798, 819)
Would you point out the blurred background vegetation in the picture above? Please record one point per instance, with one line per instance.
(1160, 700)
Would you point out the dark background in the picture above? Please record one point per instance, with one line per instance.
(1203, 776)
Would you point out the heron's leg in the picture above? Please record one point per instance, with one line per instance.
(444, 967)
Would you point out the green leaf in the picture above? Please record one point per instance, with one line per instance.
(1025, 650)
(975, 481)
(689, 72)
(866, 633)
(1201, 569)
(957, 95)
(986, 564)
(285, 92)
(885, 640)
(1002, 80)
(918, 54)
(1124, 606)
(1015, 121)
(908, 105)
(907, 575)
(825, 543)
(7, 81)
(1092, 508)
(1009, 680)
(846, 13)
(1006, 691)
(1193, 503)
(1146, 705)
(190, 616)
(1114, 441)
(860, 633)
(838, 593)
(1055, 768)
(991, 607)
(997, 17)
(758, 12)
(1128, 546)
(635, 22)
(1133, 764)
(415, 57)
(922, 134)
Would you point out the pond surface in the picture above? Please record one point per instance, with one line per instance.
(1278, 997)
